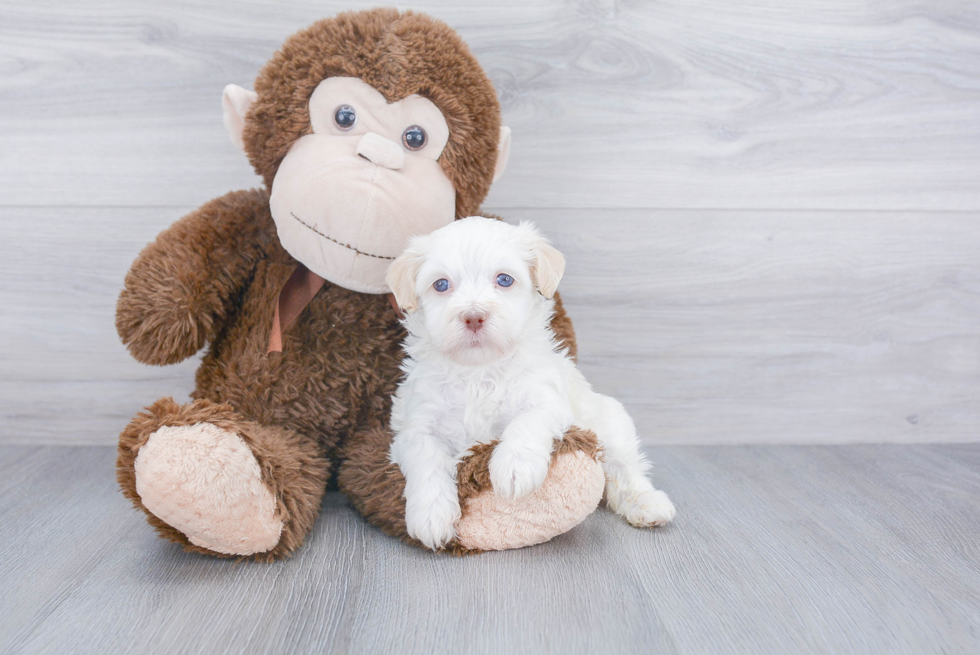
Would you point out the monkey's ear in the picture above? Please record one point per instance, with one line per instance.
(547, 269)
(503, 152)
(401, 276)
(235, 102)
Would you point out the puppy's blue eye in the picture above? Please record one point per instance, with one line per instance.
(440, 285)
(505, 280)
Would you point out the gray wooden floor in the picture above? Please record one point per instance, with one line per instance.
(781, 549)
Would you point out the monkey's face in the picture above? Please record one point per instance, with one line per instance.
(348, 196)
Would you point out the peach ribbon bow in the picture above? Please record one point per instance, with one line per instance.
(296, 294)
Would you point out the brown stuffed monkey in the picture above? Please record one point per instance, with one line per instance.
(366, 128)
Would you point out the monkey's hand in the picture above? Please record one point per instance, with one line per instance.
(179, 290)
(158, 318)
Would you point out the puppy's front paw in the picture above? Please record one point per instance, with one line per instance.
(432, 521)
(516, 470)
(647, 509)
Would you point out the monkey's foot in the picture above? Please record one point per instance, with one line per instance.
(205, 482)
(570, 493)
(218, 483)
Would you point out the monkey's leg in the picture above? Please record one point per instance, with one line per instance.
(219, 484)
(570, 493)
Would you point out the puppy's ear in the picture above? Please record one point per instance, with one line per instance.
(401, 275)
(547, 268)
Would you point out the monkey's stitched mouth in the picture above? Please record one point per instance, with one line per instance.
(345, 245)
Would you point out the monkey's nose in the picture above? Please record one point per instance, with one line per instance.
(381, 151)
(474, 320)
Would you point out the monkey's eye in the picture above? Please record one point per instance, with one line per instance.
(505, 280)
(440, 285)
(414, 137)
(345, 117)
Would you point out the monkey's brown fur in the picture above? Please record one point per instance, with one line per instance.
(320, 407)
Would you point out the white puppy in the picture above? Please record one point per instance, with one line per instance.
(483, 365)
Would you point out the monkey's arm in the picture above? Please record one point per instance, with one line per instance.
(181, 288)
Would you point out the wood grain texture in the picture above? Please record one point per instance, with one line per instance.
(834, 104)
(741, 327)
(851, 549)
(711, 326)
(714, 326)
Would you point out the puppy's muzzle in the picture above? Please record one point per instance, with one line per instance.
(474, 320)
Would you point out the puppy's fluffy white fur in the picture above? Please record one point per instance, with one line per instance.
(483, 364)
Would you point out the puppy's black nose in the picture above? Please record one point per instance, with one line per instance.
(474, 320)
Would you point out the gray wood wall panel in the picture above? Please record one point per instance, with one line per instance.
(852, 549)
(830, 104)
(770, 212)
(711, 326)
